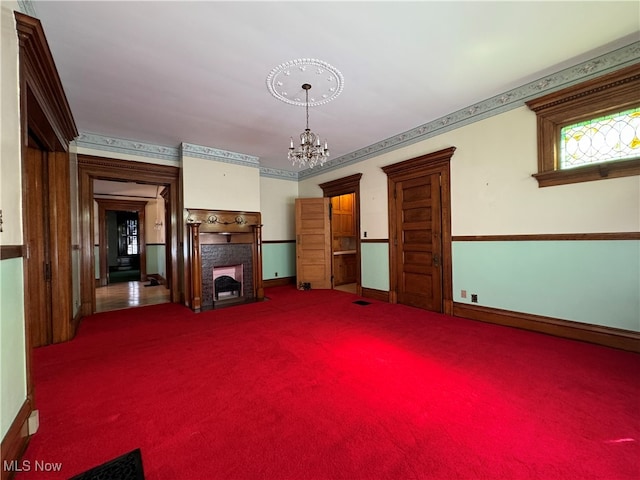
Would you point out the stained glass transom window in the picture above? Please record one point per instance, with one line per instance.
(604, 139)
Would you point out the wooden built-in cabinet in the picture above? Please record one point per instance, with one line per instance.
(343, 227)
(344, 268)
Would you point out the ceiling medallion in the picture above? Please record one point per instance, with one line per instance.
(284, 82)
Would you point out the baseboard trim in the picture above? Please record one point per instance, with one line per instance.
(279, 282)
(606, 336)
(15, 441)
(380, 295)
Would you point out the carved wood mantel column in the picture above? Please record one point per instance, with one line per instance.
(257, 262)
(195, 262)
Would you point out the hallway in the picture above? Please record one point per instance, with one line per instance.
(129, 294)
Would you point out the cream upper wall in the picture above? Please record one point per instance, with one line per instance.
(277, 205)
(492, 191)
(10, 178)
(209, 184)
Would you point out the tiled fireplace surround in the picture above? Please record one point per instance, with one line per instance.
(219, 238)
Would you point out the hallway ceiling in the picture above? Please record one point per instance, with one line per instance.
(195, 72)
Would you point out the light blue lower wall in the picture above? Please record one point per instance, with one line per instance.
(156, 259)
(374, 271)
(13, 372)
(278, 260)
(589, 281)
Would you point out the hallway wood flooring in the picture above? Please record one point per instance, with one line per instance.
(129, 294)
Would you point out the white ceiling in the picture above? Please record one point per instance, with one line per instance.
(195, 72)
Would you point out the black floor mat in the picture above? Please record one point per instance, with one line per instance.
(125, 467)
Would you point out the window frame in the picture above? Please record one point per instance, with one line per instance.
(610, 93)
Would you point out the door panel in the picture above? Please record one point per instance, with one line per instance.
(419, 242)
(313, 242)
(37, 263)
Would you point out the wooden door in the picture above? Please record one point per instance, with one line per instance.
(313, 242)
(418, 239)
(37, 261)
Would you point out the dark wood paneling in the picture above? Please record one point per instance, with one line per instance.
(548, 236)
(607, 336)
(11, 251)
(266, 242)
(374, 240)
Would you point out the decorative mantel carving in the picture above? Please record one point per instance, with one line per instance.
(222, 226)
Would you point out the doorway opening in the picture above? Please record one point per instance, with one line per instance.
(123, 246)
(344, 195)
(130, 247)
(153, 192)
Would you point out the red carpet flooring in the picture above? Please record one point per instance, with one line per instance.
(309, 385)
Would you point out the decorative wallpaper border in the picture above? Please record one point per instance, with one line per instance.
(27, 7)
(493, 106)
(210, 153)
(129, 147)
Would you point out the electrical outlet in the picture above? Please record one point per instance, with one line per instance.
(474, 298)
(463, 293)
(365, 234)
(276, 274)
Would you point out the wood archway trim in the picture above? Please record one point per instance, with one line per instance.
(44, 105)
(98, 168)
(344, 186)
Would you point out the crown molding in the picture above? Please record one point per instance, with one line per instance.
(509, 100)
(27, 7)
(279, 174)
(128, 147)
(215, 154)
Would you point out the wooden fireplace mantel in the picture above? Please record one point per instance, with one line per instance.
(222, 226)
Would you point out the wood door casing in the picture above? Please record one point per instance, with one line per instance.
(313, 242)
(345, 186)
(418, 242)
(419, 250)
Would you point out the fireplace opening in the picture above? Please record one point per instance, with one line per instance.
(228, 283)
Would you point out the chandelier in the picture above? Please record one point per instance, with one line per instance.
(310, 152)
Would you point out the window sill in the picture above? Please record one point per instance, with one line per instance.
(589, 173)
